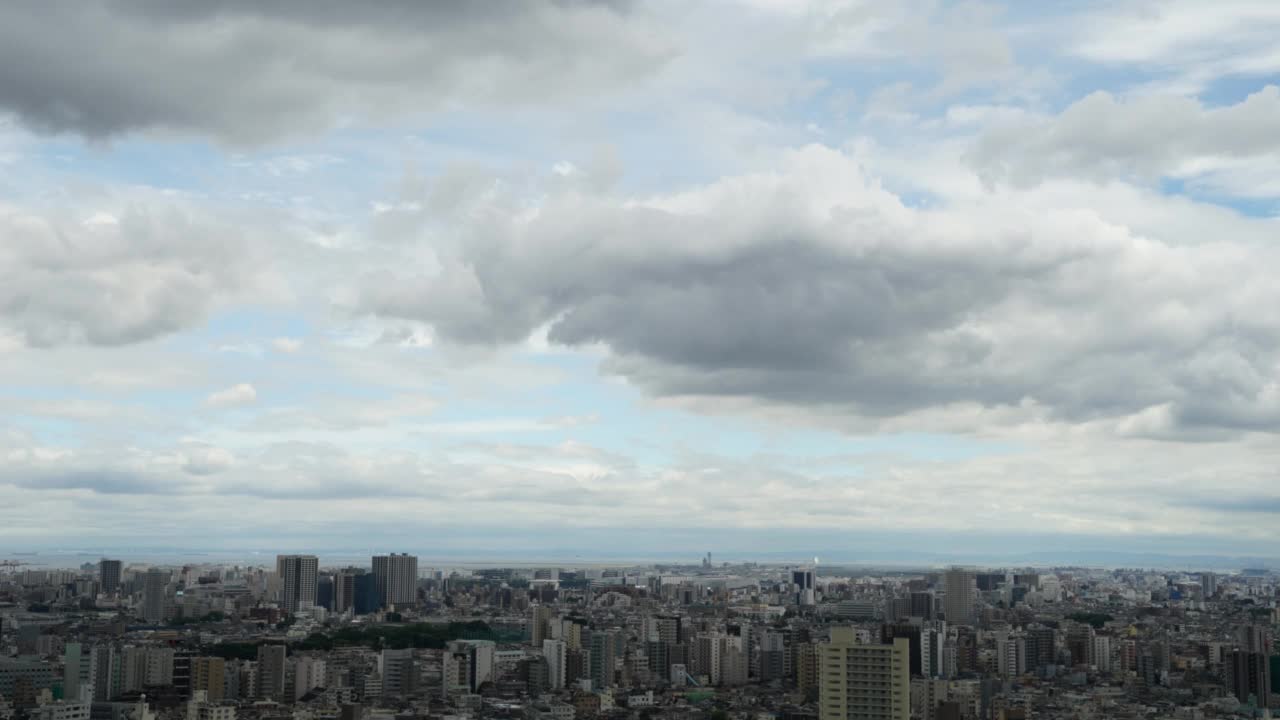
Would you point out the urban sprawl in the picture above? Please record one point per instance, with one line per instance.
(299, 640)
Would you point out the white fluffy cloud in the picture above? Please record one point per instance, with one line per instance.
(139, 265)
(234, 396)
(1147, 137)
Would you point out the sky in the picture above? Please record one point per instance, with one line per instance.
(602, 278)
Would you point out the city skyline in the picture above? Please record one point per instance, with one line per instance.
(919, 281)
(213, 641)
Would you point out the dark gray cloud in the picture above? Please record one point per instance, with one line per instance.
(247, 72)
(815, 288)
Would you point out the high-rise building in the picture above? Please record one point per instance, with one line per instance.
(182, 661)
(324, 592)
(399, 672)
(556, 654)
(109, 575)
(539, 624)
(364, 595)
(603, 659)
(863, 680)
(154, 589)
(960, 586)
(733, 662)
(773, 655)
(1249, 677)
(704, 660)
(1208, 585)
(344, 589)
(922, 604)
(803, 583)
(297, 574)
(1253, 638)
(77, 672)
(469, 663)
(913, 633)
(106, 672)
(144, 666)
(308, 673)
(397, 578)
(209, 675)
(271, 672)
(1011, 655)
(1041, 647)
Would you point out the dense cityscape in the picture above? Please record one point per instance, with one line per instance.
(118, 640)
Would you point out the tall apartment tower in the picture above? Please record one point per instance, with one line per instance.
(539, 624)
(77, 678)
(209, 675)
(344, 589)
(863, 680)
(109, 575)
(1208, 585)
(397, 578)
(1249, 677)
(271, 672)
(556, 653)
(297, 575)
(604, 651)
(154, 586)
(961, 586)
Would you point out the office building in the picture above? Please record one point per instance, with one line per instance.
(298, 579)
(961, 586)
(155, 586)
(804, 584)
(1249, 677)
(397, 579)
(344, 589)
(365, 598)
(109, 575)
(922, 604)
(862, 681)
(1208, 585)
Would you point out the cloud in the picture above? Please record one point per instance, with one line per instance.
(1152, 489)
(245, 72)
(286, 344)
(104, 482)
(1189, 43)
(201, 459)
(1147, 137)
(812, 286)
(158, 265)
(234, 396)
